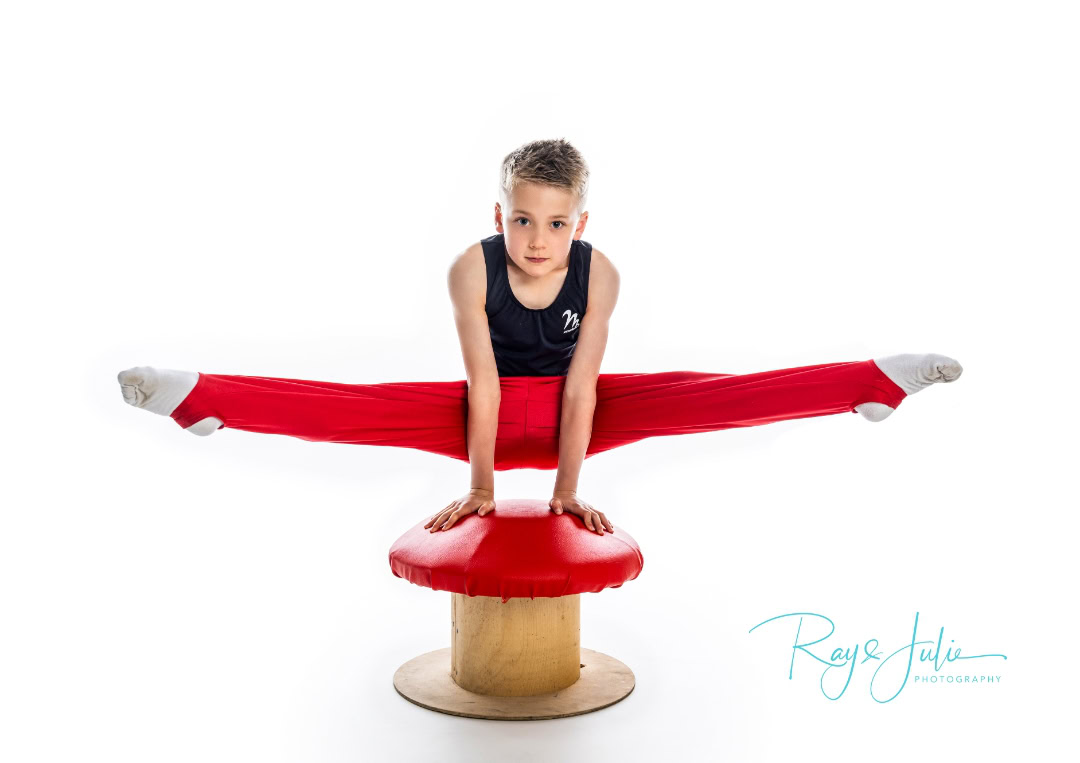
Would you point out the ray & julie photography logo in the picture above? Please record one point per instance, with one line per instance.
(934, 665)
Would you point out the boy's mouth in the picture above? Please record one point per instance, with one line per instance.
(536, 259)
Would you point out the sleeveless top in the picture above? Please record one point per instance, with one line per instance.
(535, 342)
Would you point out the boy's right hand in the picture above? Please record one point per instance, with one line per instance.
(478, 500)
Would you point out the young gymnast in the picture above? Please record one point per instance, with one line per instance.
(532, 304)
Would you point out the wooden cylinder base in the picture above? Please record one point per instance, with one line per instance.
(521, 660)
(517, 649)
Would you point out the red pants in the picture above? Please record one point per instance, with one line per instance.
(433, 416)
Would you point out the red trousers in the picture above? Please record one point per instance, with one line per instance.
(433, 416)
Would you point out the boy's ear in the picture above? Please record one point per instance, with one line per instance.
(581, 223)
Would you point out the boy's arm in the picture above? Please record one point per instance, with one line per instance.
(579, 391)
(467, 282)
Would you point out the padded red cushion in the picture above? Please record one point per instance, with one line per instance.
(520, 549)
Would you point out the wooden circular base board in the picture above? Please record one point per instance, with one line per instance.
(426, 681)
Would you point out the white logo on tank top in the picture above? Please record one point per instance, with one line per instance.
(571, 321)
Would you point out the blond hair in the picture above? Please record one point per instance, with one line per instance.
(547, 162)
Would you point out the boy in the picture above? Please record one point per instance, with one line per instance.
(532, 305)
(541, 218)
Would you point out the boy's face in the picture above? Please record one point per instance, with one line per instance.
(540, 222)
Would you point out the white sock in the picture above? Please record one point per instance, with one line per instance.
(911, 373)
(874, 411)
(161, 390)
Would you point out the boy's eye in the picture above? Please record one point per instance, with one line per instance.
(558, 222)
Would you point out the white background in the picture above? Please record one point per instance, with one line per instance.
(277, 189)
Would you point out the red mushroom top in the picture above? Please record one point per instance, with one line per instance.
(522, 548)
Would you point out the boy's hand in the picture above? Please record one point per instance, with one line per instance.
(477, 499)
(567, 500)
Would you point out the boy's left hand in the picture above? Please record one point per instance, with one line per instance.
(567, 500)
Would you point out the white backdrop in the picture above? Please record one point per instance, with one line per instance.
(277, 189)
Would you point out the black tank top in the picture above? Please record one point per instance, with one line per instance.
(530, 342)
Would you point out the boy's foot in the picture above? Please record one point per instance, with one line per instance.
(161, 390)
(911, 373)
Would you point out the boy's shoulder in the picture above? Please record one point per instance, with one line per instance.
(604, 281)
(467, 275)
(471, 263)
(602, 265)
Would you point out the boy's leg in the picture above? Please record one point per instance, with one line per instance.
(632, 407)
(427, 416)
(430, 416)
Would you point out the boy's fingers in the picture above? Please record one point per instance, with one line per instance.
(452, 519)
